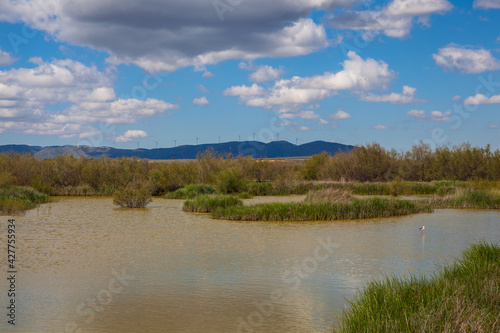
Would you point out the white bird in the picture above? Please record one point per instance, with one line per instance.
(422, 228)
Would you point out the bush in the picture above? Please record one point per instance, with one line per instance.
(230, 181)
(14, 200)
(134, 195)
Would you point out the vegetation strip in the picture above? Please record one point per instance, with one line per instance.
(463, 297)
(357, 209)
(15, 200)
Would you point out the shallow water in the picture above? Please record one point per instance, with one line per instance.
(86, 266)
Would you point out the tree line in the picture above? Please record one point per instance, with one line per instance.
(66, 174)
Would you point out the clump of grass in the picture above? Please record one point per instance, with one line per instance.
(190, 191)
(357, 209)
(468, 198)
(134, 195)
(209, 203)
(463, 297)
(15, 200)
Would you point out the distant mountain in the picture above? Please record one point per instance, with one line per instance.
(255, 149)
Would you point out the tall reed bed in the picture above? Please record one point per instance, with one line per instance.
(357, 209)
(463, 297)
(15, 200)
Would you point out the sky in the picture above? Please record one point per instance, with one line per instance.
(153, 73)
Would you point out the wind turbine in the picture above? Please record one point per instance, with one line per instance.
(196, 140)
(138, 144)
(175, 142)
(156, 142)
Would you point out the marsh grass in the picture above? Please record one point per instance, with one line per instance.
(330, 194)
(190, 191)
(322, 211)
(463, 297)
(469, 198)
(209, 203)
(15, 200)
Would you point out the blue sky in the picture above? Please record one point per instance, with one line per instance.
(130, 73)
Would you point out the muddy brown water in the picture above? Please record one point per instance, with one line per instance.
(86, 266)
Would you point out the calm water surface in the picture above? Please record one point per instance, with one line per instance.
(86, 266)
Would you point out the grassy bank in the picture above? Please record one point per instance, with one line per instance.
(209, 203)
(356, 209)
(463, 297)
(15, 200)
(468, 199)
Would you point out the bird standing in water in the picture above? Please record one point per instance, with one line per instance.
(422, 228)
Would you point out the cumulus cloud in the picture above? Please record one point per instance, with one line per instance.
(482, 99)
(456, 98)
(466, 59)
(340, 114)
(487, 4)
(407, 97)
(201, 101)
(421, 115)
(166, 35)
(84, 95)
(394, 20)
(301, 129)
(5, 58)
(130, 135)
(266, 73)
(290, 95)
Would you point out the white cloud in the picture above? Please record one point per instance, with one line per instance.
(130, 135)
(486, 4)
(167, 35)
(266, 73)
(82, 95)
(202, 88)
(493, 126)
(290, 95)
(421, 115)
(407, 97)
(206, 74)
(440, 116)
(300, 114)
(340, 114)
(417, 114)
(201, 101)
(243, 90)
(467, 59)
(394, 20)
(286, 123)
(456, 98)
(5, 59)
(323, 122)
(381, 127)
(301, 129)
(482, 99)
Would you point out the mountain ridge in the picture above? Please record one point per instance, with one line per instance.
(256, 149)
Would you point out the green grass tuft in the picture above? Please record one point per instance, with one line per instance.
(463, 297)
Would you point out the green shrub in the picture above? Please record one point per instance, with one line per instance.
(230, 181)
(134, 195)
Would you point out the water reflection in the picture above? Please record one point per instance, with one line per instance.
(187, 273)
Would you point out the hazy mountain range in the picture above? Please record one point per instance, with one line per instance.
(256, 149)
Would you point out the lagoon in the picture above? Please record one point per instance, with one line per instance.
(87, 266)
